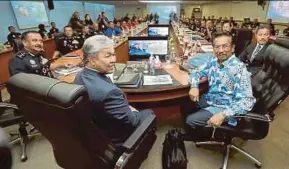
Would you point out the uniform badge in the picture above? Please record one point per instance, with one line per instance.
(75, 42)
(32, 62)
(64, 43)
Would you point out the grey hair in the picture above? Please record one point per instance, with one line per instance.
(94, 44)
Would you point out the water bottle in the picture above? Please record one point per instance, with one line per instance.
(152, 64)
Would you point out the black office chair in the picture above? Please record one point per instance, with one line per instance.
(62, 113)
(17, 45)
(10, 115)
(270, 88)
(243, 39)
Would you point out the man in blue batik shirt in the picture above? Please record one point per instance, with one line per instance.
(230, 90)
(112, 31)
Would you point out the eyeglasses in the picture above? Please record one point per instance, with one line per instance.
(225, 46)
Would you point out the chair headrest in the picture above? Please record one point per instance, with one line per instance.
(282, 41)
(46, 89)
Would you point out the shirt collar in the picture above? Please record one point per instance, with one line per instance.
(228, 61)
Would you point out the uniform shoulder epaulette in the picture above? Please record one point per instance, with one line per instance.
(21, 54)
(61, 37)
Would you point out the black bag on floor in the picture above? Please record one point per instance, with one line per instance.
(174, 154)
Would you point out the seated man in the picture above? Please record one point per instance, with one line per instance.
(112, 31)
(254, 53)
(67, 43)
(31, 59)
(229, 93)
(113, 114)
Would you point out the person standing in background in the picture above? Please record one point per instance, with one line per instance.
(53, 30)
(75, 22)
(102, 22)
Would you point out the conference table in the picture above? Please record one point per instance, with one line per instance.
(165, 100)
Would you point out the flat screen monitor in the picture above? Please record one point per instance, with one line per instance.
(159, 30)
(143, 47)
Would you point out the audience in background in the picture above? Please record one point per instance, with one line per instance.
(68, 42)
(42, 31)
(87, 20)
(118, 27)
(75, 22)
(124, 26)
(102, 22)
(111, 30)
(52, 30)
(286, 31)
(254, 53)
(255, 24)
(12, 35)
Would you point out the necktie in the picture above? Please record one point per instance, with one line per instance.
(256, 51)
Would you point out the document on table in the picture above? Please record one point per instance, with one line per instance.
(157, 80)
(207, 48)
(67, 71)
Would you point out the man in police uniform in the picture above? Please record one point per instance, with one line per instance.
(68, 42)
(12, 35)
(31, 59)
(86, 32)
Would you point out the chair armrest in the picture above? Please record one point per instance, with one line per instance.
(140, 131)
(254, 116)
(8, 106)
(148, 124)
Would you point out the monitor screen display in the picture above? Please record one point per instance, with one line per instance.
(144, 47)
(158, 31)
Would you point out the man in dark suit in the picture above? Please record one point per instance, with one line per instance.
(254, 53)
(113, 114)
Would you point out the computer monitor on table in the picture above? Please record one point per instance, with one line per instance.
(159, 30)
(140, 48)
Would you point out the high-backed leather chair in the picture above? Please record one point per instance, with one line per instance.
(270, 88)
(243, 39)
(17, 45)
(10, 115)
(62, 113)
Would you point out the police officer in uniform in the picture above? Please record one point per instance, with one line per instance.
(31, 59)
(12, 35)
(68, 43)
(86, 32)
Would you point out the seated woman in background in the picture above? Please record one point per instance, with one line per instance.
(42, 31)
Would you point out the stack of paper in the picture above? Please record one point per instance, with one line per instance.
(157, 80)
(67, 71)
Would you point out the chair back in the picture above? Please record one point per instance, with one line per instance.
(271, 84)
(57, 36)
(17, 45)
(62, 113)
(243, 39)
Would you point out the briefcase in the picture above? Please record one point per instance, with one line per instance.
(174, 154)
